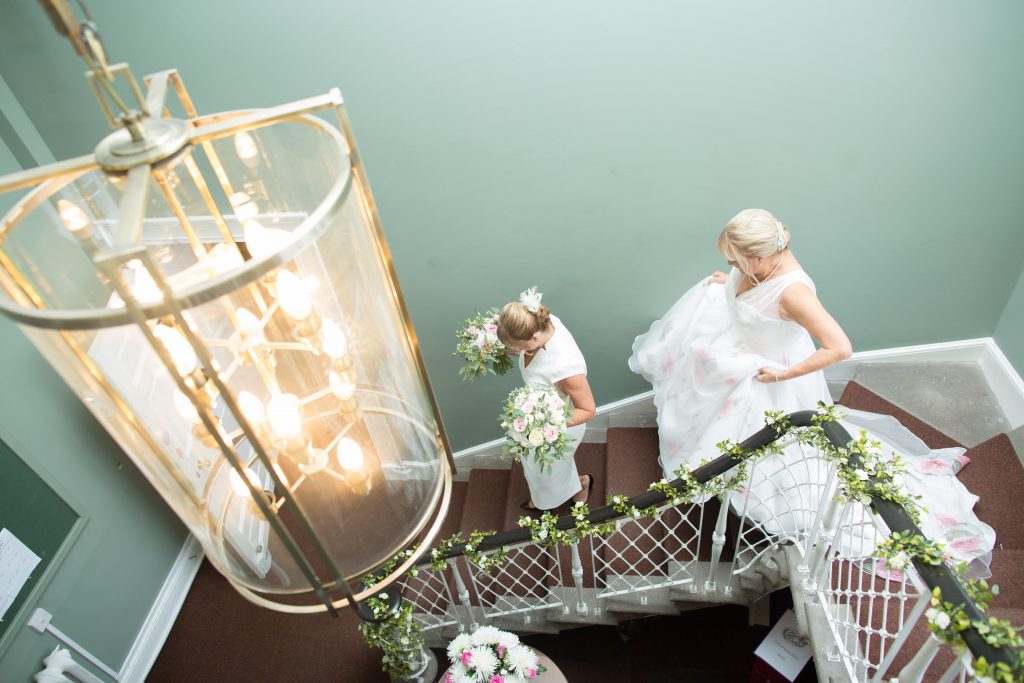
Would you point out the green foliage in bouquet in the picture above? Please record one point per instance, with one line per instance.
(480, 348)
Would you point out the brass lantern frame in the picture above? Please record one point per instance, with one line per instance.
(137, 155)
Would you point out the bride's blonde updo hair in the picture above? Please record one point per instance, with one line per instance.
(752, 233)
(516, 323)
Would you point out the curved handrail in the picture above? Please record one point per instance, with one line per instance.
(893, 514)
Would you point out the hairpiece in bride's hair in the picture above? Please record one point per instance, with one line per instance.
(780, 235)
(531, 299)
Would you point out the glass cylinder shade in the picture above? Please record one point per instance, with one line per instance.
(247, 345)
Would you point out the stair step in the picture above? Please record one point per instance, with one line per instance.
(1008, 573)
(857, 397)
(485, 501)
(632, 463)
(996, 477)
(650, 601)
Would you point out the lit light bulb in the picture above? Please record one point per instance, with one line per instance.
(333, 339)
(285, 415)
(224, 257)
(261, 241)
(245, 208)
(182, 354)
(350, 455)
(293, 295)
(239, 486)
(250, 330)
(246, 147)
(341, 385)
(142, 285)
(72, 215)
(185, 407)
(251, 407)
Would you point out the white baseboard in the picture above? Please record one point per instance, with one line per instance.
(1003, 379)
(638, 411)
(163, 614)
(1005, 382)
(964, 351)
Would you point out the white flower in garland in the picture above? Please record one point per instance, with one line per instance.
(937, 617)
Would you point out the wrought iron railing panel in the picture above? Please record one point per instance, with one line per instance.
(528, 580)
(648, 553)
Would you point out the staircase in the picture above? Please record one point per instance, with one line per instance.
(685, 559)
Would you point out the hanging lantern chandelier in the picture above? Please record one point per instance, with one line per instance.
(218, 292)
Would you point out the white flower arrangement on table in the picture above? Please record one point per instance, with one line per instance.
(490, 655)
(480, 348)
(534, 423)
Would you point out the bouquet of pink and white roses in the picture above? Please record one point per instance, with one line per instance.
(534, 424)
(490, 655)
(480, 348)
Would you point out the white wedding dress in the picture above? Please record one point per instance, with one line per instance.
(559, 359)
(701, 359)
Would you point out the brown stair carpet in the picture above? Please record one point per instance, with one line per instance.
(632, 465)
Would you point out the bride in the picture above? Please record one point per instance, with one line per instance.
(741, 343)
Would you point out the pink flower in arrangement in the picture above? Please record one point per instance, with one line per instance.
(466, 658)
(448, 678)
(491, 328)
(531, 673)
(472, 329)
(501, 651)
(519, 424)
(550, 433)
(496, 679)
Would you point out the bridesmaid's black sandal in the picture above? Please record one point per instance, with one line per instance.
(529, 508)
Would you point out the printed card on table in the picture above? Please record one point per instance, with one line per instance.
(785, 649)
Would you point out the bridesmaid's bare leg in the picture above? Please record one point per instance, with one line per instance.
(586, 481)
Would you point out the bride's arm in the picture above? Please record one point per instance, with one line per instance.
(800, 305)
(578, 389)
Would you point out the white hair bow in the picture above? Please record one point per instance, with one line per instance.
(531, 299)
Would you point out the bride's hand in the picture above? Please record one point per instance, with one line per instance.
(718, 277)
(770, 375)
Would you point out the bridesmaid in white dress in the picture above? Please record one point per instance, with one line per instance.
(549, 357)
(739, 344)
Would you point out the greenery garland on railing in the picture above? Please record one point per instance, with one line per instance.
(394, 629)
(486, 562)
(545, 532)
(863, 474)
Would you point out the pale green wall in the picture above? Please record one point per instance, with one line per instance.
(105, 587)
(595, 148)
(1010, 330)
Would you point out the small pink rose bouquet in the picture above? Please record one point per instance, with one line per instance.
(491, 655)
(479, 347)
(534, 423)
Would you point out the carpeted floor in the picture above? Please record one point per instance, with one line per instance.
(219, 636)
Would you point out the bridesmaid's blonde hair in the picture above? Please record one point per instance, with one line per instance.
(516, 322)
(752, 233)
